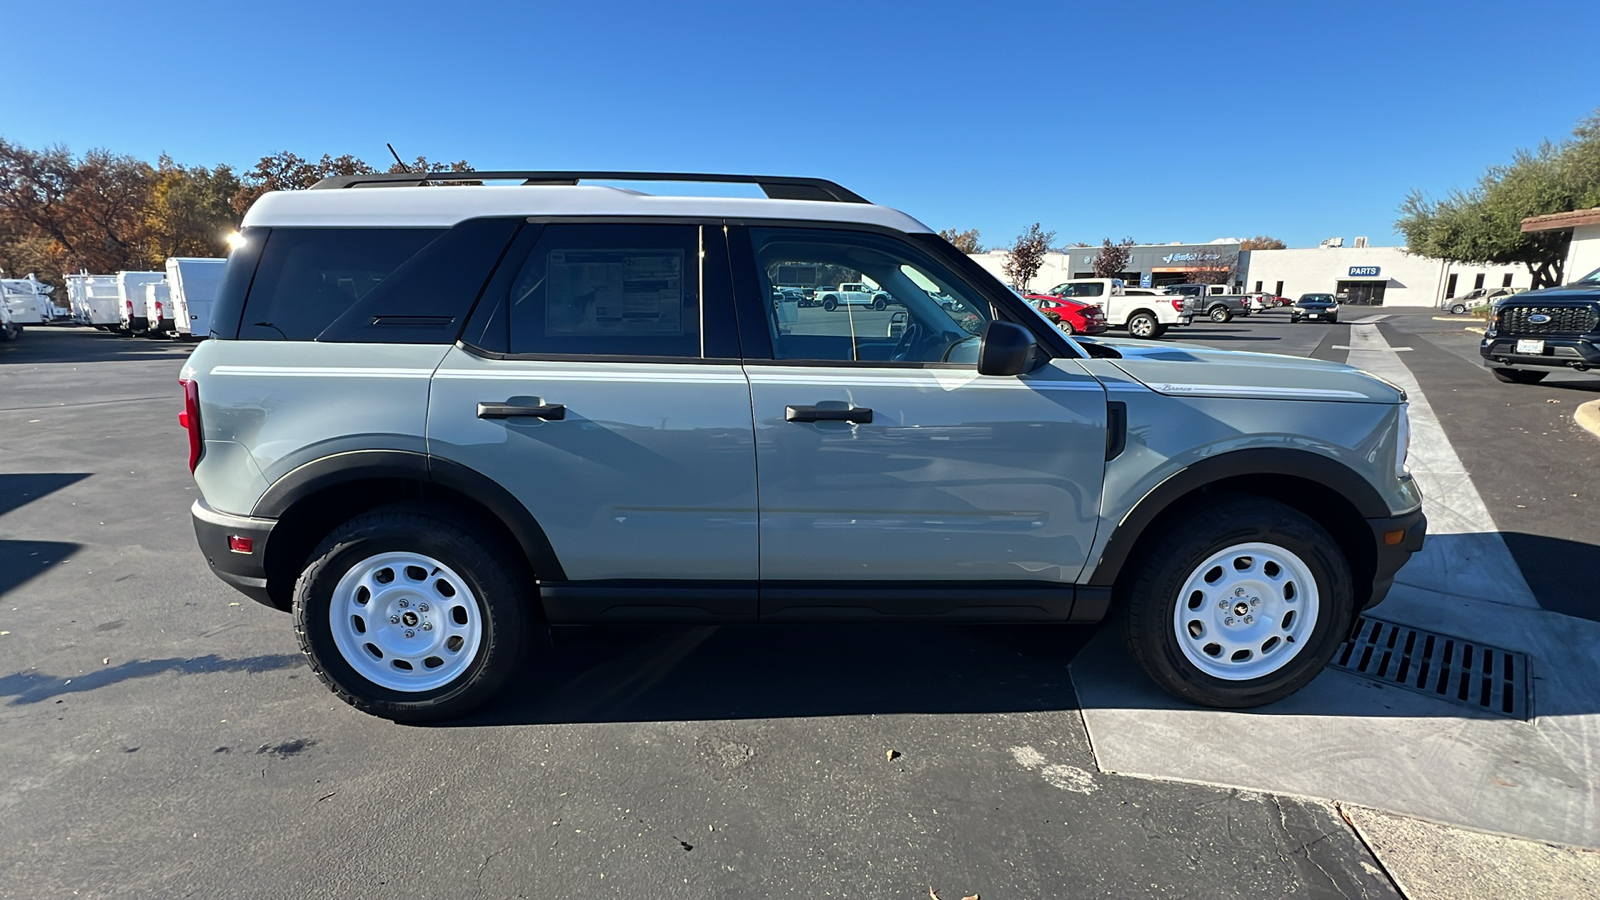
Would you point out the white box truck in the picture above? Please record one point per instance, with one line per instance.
(130, 300)
(157, 309)
(194, 282)
(94, 300)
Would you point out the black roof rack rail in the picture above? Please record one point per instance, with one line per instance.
(777, 187)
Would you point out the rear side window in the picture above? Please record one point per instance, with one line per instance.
(609, 290)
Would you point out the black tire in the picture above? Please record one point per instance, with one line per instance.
(481, 561)
(1458, 309)
(1519, 376)
(1221, 314)
(1160, 330)
(10, 331)
(1143, 325)
(1065, 326)
(880, 303)
(1150, 599)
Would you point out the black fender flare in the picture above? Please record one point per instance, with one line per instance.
(1254, 461)
(360, 465)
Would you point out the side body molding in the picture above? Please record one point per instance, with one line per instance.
(363, 465)
(1238, 463)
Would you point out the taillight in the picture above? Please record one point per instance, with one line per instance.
(190, 419)
(1177, 305)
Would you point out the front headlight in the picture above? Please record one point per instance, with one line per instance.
(1402, 441)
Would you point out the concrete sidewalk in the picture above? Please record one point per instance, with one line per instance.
(1354, 741)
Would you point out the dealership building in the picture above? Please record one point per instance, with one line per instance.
(1583, 254)
(1149, 265)
(1370, 276)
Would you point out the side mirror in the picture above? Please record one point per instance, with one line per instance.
(1004, 349)
(897, 324)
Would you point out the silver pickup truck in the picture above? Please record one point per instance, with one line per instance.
(434, 423)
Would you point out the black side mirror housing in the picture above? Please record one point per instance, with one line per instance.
(1005, 349)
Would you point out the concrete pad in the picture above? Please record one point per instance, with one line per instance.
(1465, 554)
(1347, 738)
(1430, 861)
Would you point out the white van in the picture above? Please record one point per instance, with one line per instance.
(27, 300)
(193, 283)
(130, 300)
(157, 308)
(94, 300)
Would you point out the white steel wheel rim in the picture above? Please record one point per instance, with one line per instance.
(405, 622)
(1246, 612)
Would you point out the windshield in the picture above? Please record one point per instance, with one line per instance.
(1591, 278)
(1316, 300)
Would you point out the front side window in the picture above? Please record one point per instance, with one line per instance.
(1092, 289)
(609, 290)
(915, 311)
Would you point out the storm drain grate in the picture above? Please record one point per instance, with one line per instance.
(1448, 668)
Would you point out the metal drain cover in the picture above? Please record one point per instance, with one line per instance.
(1447, 668)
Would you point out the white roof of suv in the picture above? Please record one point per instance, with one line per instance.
(398, 201)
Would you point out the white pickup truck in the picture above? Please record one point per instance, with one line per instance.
(1144, 316)
(852, 293)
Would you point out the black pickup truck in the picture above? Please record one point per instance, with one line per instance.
(1553, 328)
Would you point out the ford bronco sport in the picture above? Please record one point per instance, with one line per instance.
(435, 419)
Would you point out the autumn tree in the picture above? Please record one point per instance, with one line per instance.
(1216, 267)
(1483, 225)
(965, 241)
(190, 211)
(65, 213)
(1026, 256)
(1112, 260)
(1262, 242)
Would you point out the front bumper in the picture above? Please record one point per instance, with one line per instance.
(246, 572)
(1500, 352)
(1412, 531)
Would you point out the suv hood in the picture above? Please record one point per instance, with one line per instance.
(1190, 370)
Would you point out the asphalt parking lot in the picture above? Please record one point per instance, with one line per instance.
(162, 736)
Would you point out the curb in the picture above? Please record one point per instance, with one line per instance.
(1587, 415)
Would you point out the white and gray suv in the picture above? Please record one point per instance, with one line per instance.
(436, 418)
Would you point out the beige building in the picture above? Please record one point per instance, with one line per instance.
(1371, 276)
(1583, 256)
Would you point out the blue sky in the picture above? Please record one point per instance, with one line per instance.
(1158, 121)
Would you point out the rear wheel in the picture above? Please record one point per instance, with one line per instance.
(1142, 325)
(880, 303)
(1519, 376)
(829, 304)
(408, 614)
(1221, 314)
(1065, 326)
(10, 331)
(1243, 602)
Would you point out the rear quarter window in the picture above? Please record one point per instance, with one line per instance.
(371, 285)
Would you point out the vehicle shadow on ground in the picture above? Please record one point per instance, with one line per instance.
(84, 345)
(33, 687)
(23, 561)
(787, 671)
(21, 488)
(1563, 574)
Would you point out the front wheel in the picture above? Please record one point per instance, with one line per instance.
(1458, 309)
(411, 615)
(1142, 325)
(1241, 603)
(1221, 314)
(10, 331)
(1519, 376)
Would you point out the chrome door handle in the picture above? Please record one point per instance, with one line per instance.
(548, 411)
(860, 415)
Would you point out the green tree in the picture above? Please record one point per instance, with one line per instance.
(1026, 256)
(1484, 225)
(965, 241)
(1112, 259)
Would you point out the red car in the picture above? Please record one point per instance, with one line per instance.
(1070, 315)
